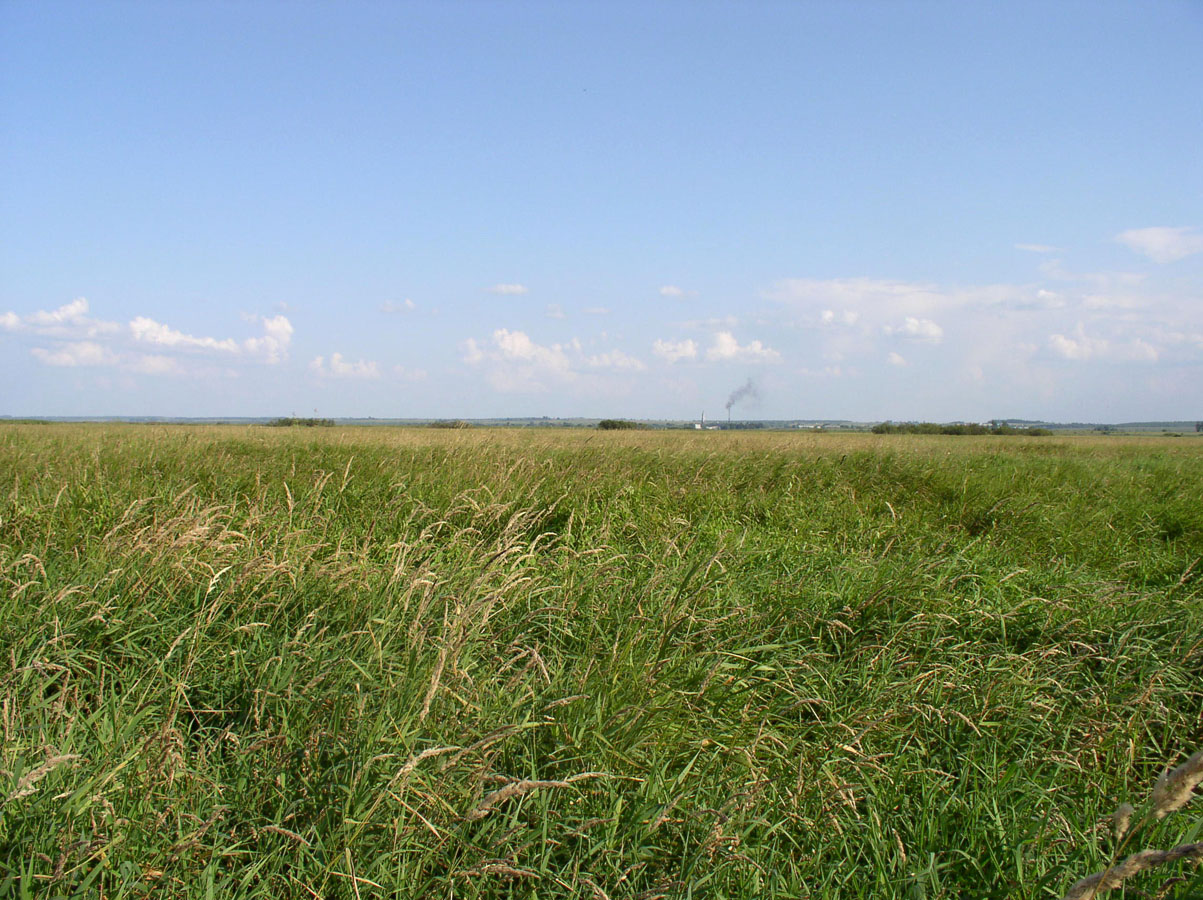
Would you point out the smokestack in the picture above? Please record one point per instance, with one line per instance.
(747, 391)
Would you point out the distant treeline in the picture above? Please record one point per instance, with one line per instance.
(960, 428)
(619, 425)
(293, 420)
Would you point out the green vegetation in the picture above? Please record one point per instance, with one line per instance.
(290, 421)
(955, 428)
(619, 425)
(240, 662)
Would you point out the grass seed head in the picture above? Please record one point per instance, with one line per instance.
(1175, 788)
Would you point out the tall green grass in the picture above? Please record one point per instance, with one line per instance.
(241, 662)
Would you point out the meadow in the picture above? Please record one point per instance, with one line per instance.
(373, 662)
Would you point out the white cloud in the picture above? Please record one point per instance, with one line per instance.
(517, 346)
(71, 312)
(1038, 248)
(895, 359)
(671, 290)
(847, 317)
(1080, 348)
(392, 306)
(616, 359)
(674, 351)
(341, 368)
(517, 363)
(727, 348)
(513, 361)
(472, 351)
(272, 346)
(596, 311)
(68, 321)
(1162, 245)
(555, 311)
(859, 294)
(509, 289)
(76, 353)
(918, 329)
(151, 332)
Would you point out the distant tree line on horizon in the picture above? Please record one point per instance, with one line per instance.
(958, 428)
(289, 421)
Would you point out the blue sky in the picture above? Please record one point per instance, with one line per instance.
(872, 210)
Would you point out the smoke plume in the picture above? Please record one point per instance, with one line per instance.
(748, 391)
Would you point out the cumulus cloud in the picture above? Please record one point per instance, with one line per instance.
(338, 367)
(516, 346)
(81, 340)
(727, 349)
(68, 321)
(671, 290)
(272, 346)
(675, 351)
(76, 353)
(846, 317)
(513, 361)
(918, 329)
(1162, 245)
(151, 332)
(517, 363)
(1080, 347)
(896, 359)
(509, 289)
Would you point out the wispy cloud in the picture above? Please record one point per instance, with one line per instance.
(554, 311)
(1038, 248)
(896, 359)
(617, 360)
(338, 367)
(1162, 245)
(395, 306)
(76, 353)
(509, 289)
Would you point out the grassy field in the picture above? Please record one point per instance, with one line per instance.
(284, 663)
